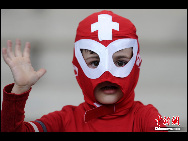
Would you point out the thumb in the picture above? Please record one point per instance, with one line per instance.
(41, 72)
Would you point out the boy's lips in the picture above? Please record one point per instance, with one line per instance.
(108, 87)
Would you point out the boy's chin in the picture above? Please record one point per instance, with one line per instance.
(105, 102)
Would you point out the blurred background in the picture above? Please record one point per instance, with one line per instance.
(163, 42)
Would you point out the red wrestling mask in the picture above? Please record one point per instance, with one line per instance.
(106, 33)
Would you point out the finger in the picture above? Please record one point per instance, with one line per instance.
(18, 52)
(26, 52)
(9, 49)
(41, 72)
(5, 56)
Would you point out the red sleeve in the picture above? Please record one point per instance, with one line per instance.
(59, 121)
(150, 120)
(12, 113)
(52, 122)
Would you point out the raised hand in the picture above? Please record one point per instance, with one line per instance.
(24, 74)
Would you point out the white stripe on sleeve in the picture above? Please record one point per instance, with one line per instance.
(34, 126)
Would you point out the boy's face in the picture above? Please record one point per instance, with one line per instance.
(107, 92)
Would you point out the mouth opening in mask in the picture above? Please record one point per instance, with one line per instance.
(107, 92)
(108, 87)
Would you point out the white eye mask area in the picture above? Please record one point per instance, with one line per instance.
(105, 54)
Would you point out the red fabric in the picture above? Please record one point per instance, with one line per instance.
(140, 118)
(12, 114)
(99, 112)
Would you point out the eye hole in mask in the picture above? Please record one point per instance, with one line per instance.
(91, 58)
(122, 57)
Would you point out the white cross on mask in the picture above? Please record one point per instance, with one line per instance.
(104, 27)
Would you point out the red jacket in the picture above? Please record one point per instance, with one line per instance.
(140, 118)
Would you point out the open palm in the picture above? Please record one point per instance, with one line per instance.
(20, 64)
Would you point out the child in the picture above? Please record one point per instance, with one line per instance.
(106, 63)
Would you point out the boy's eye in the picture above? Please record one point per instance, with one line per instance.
(122, 57)
(120, 63)
(94, 64)
(91, 58)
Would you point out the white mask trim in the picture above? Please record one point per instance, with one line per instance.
(105, 54)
